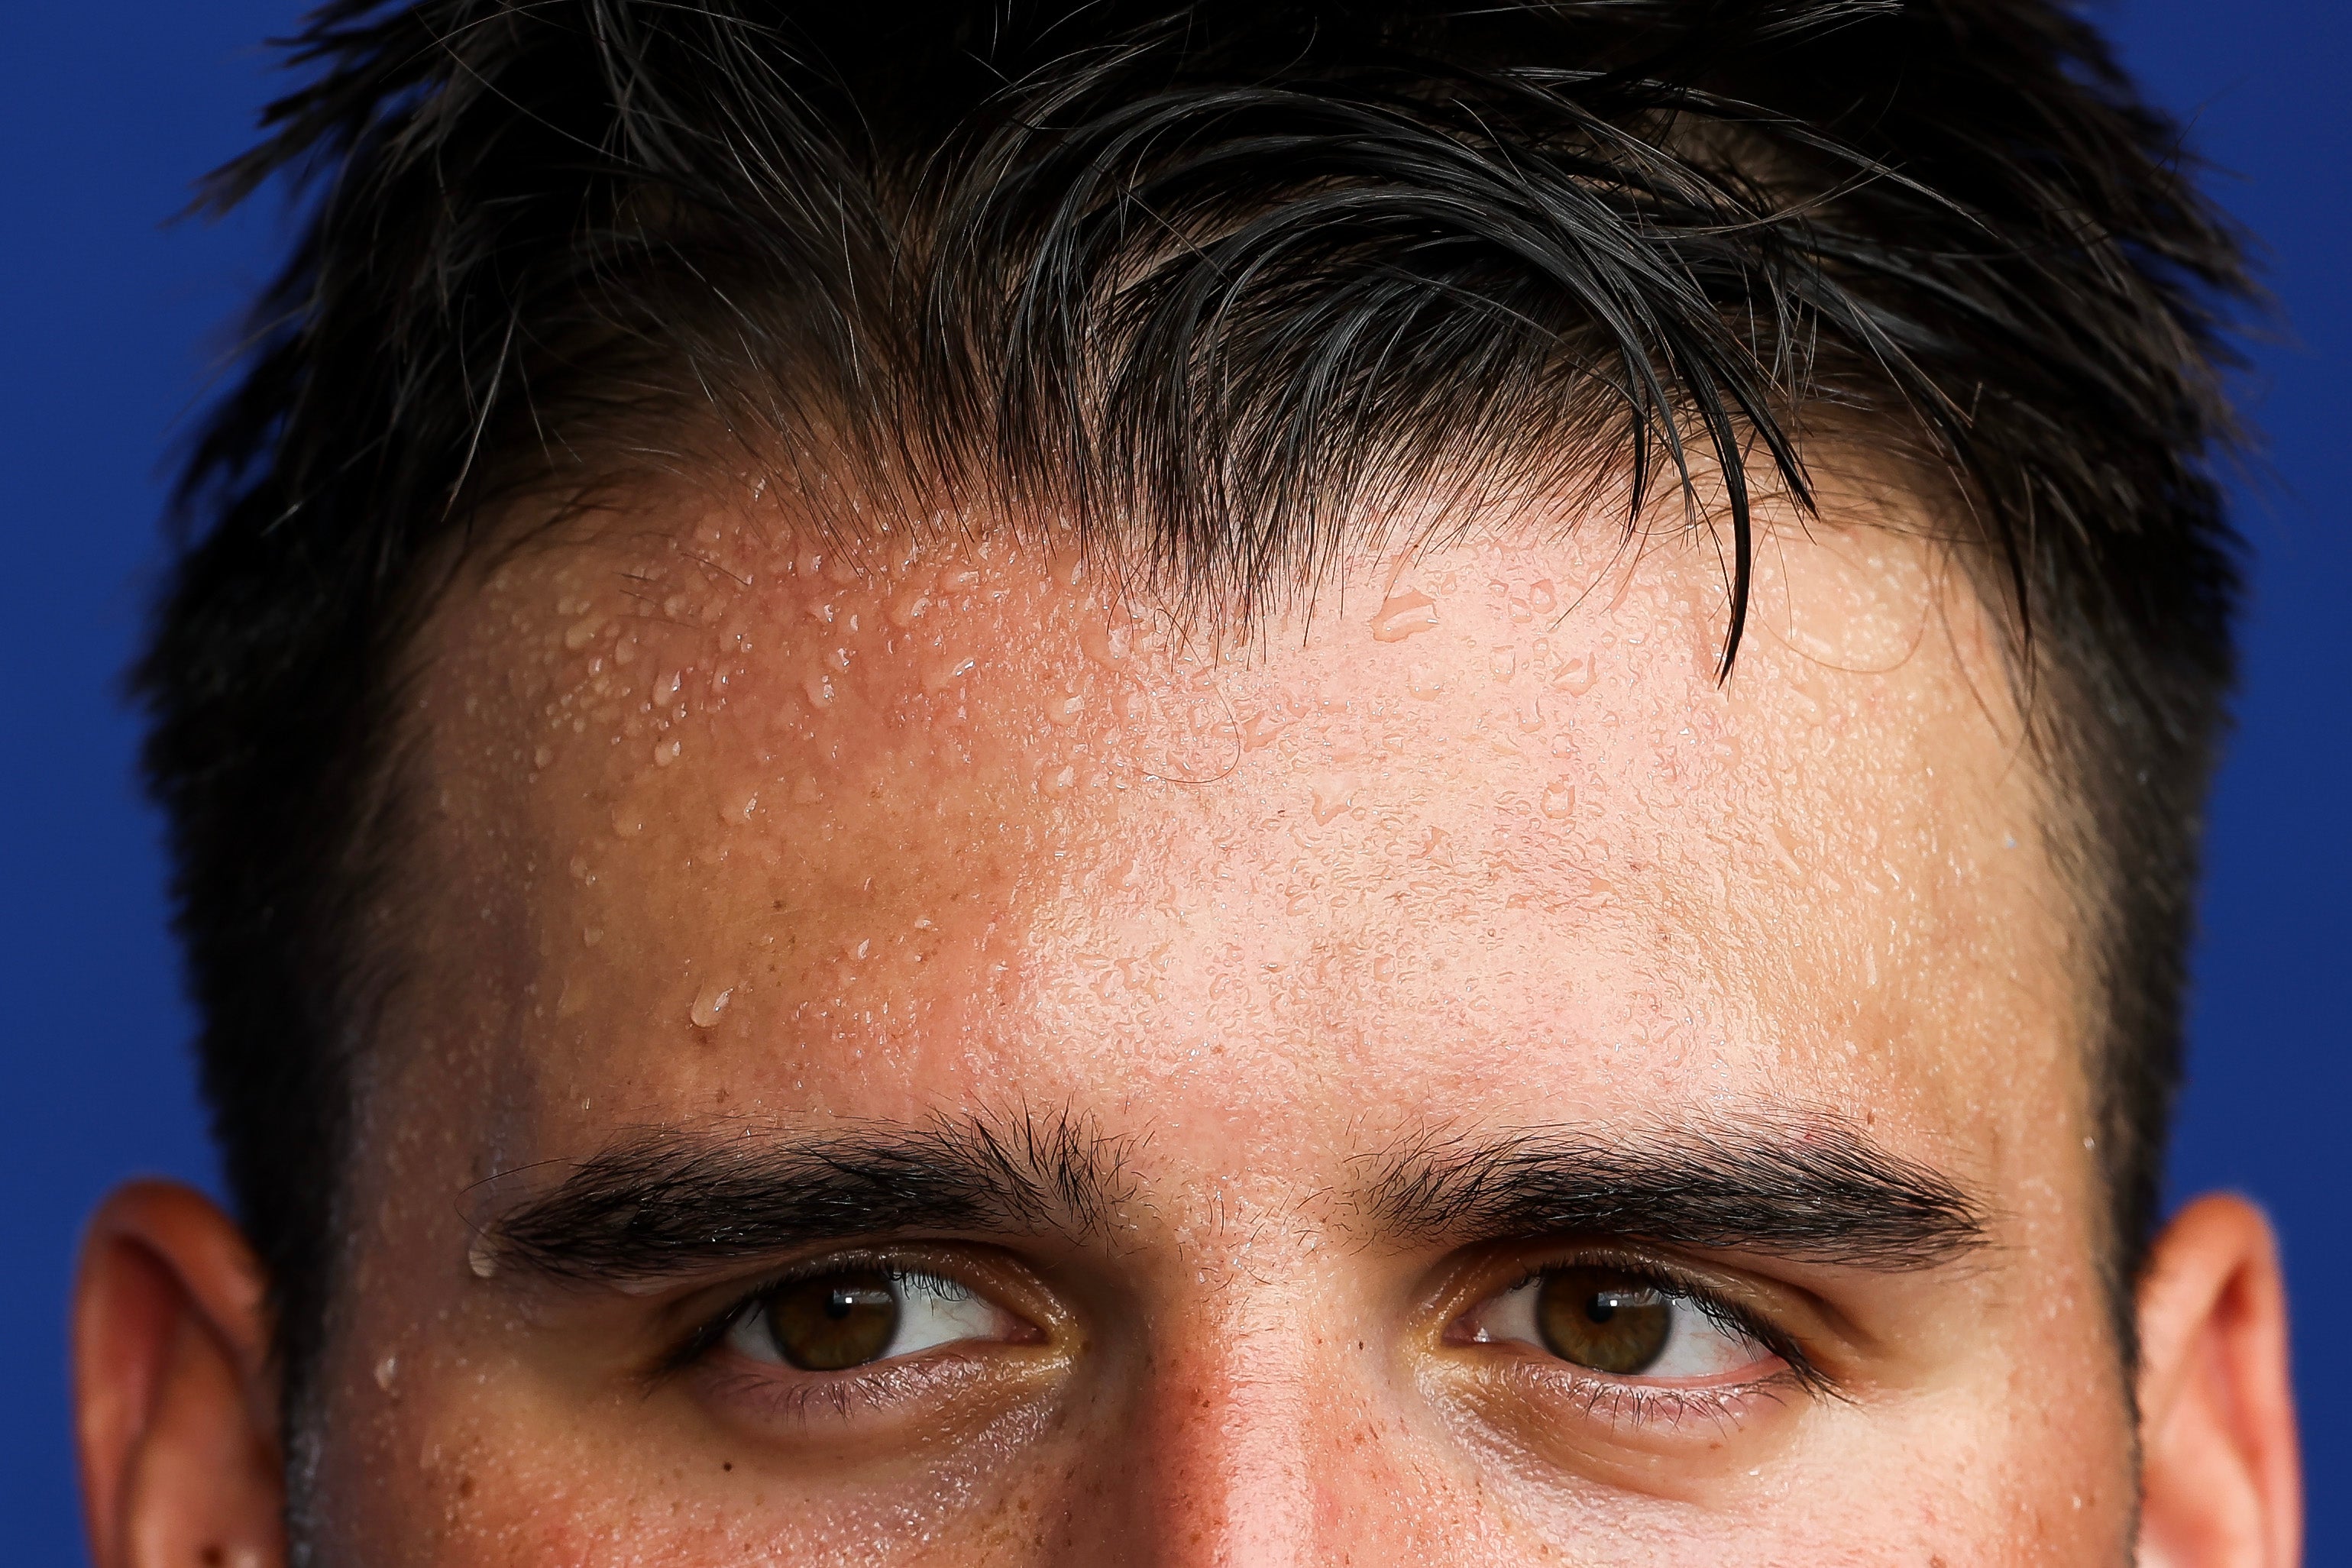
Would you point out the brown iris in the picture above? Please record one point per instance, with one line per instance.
(834, 1321)
(1603, 1319)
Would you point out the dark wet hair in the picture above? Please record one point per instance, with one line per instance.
(1208, 280)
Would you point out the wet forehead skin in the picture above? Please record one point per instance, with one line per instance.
(729, 835)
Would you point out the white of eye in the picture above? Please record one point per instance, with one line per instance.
(931, 1312)
(1697, 1347)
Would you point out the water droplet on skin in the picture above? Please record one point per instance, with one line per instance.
(590, 935)
(1106, 644)
(839, 657)
(1331, 797)
(666, 751)
(581, 633)
(1059, 783)
(667, 689)
(1542, 598)
(805, 792)
(1402, 614)
(1066, 708)
(482, 1256)
(910, 605)
(627, 821)
(1384, 968)
(945, 673)
(542, 756)
(819, 687)
(1529, 715)
(739, 811)
(1503, 663)
(709, 1002)
(1559, 799)
(1425, 683)
(1576, 675)
(1262, 727)
(386, 1371)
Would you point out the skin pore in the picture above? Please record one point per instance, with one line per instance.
(1220, 1046)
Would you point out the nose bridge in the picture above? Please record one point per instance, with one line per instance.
(1227, 1426)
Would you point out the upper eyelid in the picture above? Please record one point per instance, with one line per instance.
(1718, 1308)
(711, 1328)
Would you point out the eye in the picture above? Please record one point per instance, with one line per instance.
(1614, 1321)
(830, 1323)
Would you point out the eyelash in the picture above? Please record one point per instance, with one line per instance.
(1613, 1399)
(706, 1336)
(1800, 1371)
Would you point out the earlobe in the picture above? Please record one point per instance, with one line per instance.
(174, 1404)
(2220, 1481)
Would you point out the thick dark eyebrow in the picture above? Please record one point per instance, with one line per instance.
(664, 1204)
(1809, 1188)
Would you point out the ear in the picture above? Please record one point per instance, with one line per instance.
(175, 1396)
(2220, 1481)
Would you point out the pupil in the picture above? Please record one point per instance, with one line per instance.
(1603, 1319)
(837, 1321)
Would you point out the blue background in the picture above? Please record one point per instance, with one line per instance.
(113, 320)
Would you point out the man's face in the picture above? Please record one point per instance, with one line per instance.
(911, 1055)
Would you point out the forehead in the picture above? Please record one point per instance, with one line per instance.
(734, 820)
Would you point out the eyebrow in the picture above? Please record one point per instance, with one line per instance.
(666, 1204)
(1808, 1189)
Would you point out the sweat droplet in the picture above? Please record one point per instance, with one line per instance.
(1503, 663)
(628, 822)
(709, 1002)
(1331, 798)
(1575, 676)
(1403, 615)
(947, 672)
(819, 687)
(665, 752)
(739, 811)
(1425, 683)
(386, 1371)
(1559, 799)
